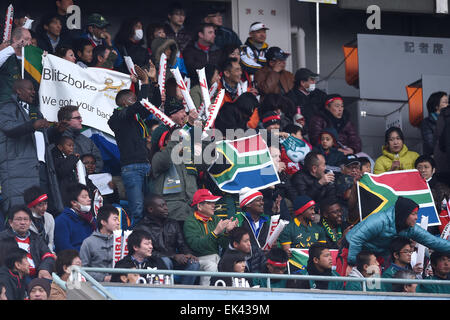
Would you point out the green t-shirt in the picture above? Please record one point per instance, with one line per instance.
(298, 235)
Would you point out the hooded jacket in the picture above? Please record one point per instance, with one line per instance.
(158, 47)
(377, 231)
(15, 287)
(384, 162)
(97, 252)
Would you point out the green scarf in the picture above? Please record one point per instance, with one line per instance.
(335, 237)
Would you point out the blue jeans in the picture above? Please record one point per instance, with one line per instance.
(133, 177)
(190, 266)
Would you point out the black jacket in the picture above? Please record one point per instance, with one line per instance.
(151, 262)
(309, 104)
(128, 132)
(195, 58)
(65, 169)
(43, 42)
(427, 129)
(42, 257)
(256, 260)
(167, 237)
(15, 287)
(306, 184)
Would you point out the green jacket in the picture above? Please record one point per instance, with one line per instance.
(434, 288)
(389, 273)
(332, 285)
(200, 237)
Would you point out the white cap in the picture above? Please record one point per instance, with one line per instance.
(258, 26)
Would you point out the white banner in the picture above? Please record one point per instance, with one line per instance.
(93, 90)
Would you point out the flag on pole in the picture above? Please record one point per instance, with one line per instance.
(33, 63)
(378, 192)
(244, 162)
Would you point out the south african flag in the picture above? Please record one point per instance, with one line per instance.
(244, 162)
(377, 192)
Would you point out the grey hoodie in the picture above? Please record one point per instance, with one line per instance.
(97, 252)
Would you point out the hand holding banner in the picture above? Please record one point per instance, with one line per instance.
(184, 91)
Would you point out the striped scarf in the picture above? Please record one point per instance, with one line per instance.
(335, 236)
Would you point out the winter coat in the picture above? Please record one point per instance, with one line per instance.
(225, 37)
(309, 104)
(43, 42)
(15, 287)
(347, 134)
(433, 288)
(442, 146)
(136, 52)
(128, 131)
(384, 162)
(42, 257)
(333, 157)
(252, 58)
(390, 273)
(427, 129)
(315, 284)
(10, 71)
(377, 231)
(286, 190)
(167, 236)
(158, 46)
(182, 37)
(195, 58)
(19, 165)
(49, 229)
(70, 230)
(179, 202)
(97, 252)
(151, 262)
(269, 81)
(200, 237)
(66, 169)
(306, 184)
(255, 260)
(259, 241)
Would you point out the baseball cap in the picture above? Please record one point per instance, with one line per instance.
(304, 74)
(97, 20)
(351, 159)
(276, 53)
(202, 195)
(255, 26)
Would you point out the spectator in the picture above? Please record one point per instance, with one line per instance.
(176, 183)
(127, 123)
(154, 31)
(277, 260)
(38, 289)
(170, 48)
(140, 251)
(367, 266)
(129, 41)
(231, 78)
(65, 163)
(254, 50)
(279, 104)
(302, 232)
(346, 182)
(10, 62)
(201, 51)
(126, 277)
(328, 139)
(365, 165)
(174, 27)
(96, 251)
(332, 222)
(401, 251)
(224, 36)
(3, 291)
(49, 36)
(96, 33)
(255, 258)
(294, 148)
(376, 232)
(312, 180)
(212, 79)
(442, 142)
(441, 191)
(396, 155)
(167, 238)
(435, 103)
(103, 57)
(204, 232)
(42, 222)
(66, 259)
(335, 116)
(77, 221)
(40, 258)
(400, 287)
(66, 53)
(83, 49)
(70, 119)
(273, 78)
(12, 274)
(304, 94)
(62, 7)
(320, 263)
(234, 261)
(440, 263)
(21, 128)
(252, 217)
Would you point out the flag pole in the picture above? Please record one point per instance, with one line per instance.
(23, 62)
(317, 38)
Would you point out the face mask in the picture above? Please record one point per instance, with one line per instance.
(84, 208)
(138, 35)
(311, 88)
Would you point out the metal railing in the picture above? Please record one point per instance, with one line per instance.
(75, 270)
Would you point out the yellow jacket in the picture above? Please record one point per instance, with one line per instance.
(406, 158)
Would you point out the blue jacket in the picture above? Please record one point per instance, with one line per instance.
(70, 230)
(377, 231)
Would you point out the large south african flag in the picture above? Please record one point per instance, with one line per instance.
(245, 162)
(377, 192)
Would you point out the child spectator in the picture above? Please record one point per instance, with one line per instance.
(365, 165)
(277, 260)
(232, 262)
(65, 163)
(294, 148)
(83, 49)
(328, 147)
